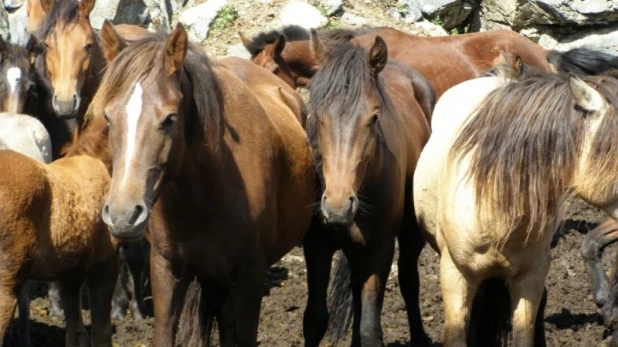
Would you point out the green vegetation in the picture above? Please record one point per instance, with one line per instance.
(323, 9)
(226, 15)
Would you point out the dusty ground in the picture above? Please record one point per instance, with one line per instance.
(571, 317)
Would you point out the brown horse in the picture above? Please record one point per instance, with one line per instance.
(17, 74)
(444, 60)
(368, 124)
(52, 231)
(224, 178)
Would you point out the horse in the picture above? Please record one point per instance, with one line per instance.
(224, 180)
(17, 80)
(68, 73)
(444, 60)
(488, 200)
(52, 231)
(70, 65)
(294, 65)
(369, 120)
(31, 139)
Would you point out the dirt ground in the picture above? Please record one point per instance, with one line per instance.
(571, 318)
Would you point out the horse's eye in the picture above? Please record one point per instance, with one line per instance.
(106, 118)
(88, 47)
(169, 122)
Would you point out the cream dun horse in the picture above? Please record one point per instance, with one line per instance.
(491, 183)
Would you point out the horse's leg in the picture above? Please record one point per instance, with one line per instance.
(121, 298)
(8, 301)
(526, 296)
(247, 300)
(592, 252)
(23, 305)
(318, 257)
(457, 295)
(227, 325)
(539, 327)
(168, 292)
(53, 292)
(101, 282)
(70, 291)
(411, 244)
(373, 282)
(135, 259)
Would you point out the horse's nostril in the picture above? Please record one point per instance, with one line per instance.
(106, 209)
(139, 209)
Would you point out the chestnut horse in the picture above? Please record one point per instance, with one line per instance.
(488, 198)
(70, 66)
(370, 118)
(17, 74)
(213, 158)
(52, 231)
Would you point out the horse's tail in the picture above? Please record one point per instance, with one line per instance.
(197, 319)
(340, 301)
(582, 61)
(490, 320)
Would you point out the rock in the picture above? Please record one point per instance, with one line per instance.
(301, 14)
(548, 41)
(394, 13)
(197, 19)
(238, 50)
(353, 19)
(450, 13)
(120, 12)
(429, 29)
(331, 6)
(605, 40)
(17, 26)
(520, 14)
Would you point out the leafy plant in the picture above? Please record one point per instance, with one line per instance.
(226, 15)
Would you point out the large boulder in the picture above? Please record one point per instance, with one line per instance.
(301, 14)
(17, 26)
(120, 12)
(4, 23)
(448, 13)
(197, 19)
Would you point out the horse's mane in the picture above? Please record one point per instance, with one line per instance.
(146, 56)
(524, 146)
(583, 61)
(16, 54)
(63, 11)
(298, 33)
(340, 84)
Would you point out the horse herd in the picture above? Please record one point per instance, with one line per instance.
(140, 152)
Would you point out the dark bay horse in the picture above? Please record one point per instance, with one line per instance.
(369, 121)
(224, 178)
(17, 74)
(444, 60)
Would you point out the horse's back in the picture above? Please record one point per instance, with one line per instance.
(452, 110)
(269, 119)
(26, 135)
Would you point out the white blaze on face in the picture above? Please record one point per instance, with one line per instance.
(134, 111)
(13, 76)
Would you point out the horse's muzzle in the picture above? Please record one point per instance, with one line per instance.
(341, 212)
(66, 108)
(126, 222)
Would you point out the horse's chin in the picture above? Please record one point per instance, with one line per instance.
(129, 234)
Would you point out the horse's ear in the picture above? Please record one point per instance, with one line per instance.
(46, 5)
(378, 56)
(317, 47)
(4, 49)
(585, 95)
(33, 48)
(279, 45)
(176, 49)
(113, 44)
(245, 41)
(85, 7)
